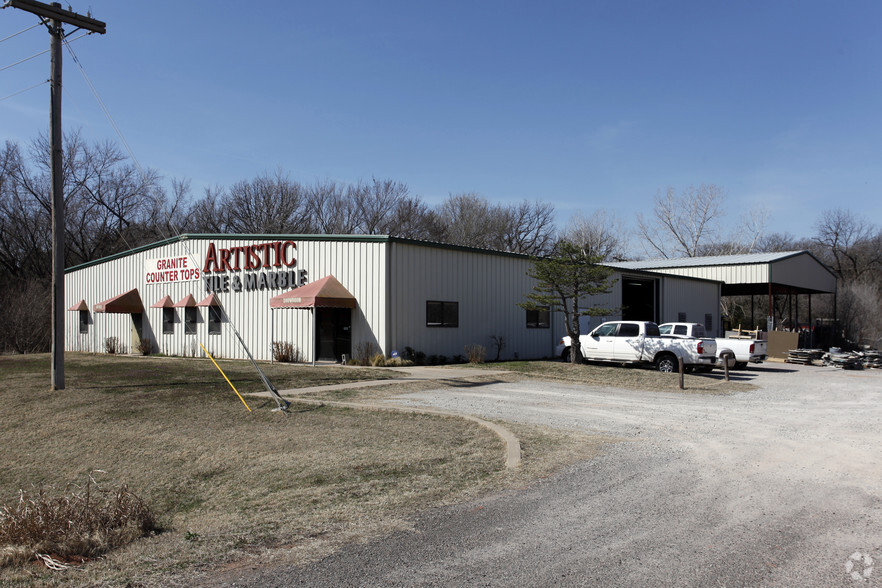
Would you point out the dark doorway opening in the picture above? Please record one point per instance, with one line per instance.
(639, 299)
(333, 333)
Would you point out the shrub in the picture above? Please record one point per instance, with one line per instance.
(364, 353)
(81, 523)
(111, 345)
(145, 346)
(398, 362)
(378, 360)
(285, 352)
(419, 358)
(476, 353)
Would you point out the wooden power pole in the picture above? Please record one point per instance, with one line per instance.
(53, 16)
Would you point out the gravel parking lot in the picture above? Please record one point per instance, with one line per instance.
(780, 486)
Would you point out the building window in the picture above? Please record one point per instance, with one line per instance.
(709, 323)
(442, 314)
(190, 320)
(538, 319)
(214, 320)
(168, 321)
(84, 321)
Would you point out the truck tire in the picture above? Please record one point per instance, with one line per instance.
(565, 354)
(740, 365)
(667, 363)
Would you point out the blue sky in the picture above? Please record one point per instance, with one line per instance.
(583, 104)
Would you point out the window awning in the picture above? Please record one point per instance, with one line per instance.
(185, 302)
(327, 292)
(126, 303)
(81, 305)
(164, 302)
(210, 300)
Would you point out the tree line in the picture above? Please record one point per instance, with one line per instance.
(113, 205)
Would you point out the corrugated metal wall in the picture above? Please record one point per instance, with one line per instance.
(359, 266)
(391, 279)
(691, 298)
(487, 288)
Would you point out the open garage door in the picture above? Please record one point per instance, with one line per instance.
(639, 299)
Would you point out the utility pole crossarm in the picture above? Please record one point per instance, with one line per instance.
(55, 12)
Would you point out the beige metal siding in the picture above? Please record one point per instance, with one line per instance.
(803, 271)
(693, 298)
(487, 288)
(359, 266)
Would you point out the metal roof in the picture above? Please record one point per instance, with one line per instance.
(714, 260)
(750, 273)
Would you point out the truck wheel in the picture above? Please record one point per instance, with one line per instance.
(667, 363)
(565, 354)
(740, 365)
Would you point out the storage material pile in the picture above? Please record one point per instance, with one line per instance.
(847, 360)
(805, 356)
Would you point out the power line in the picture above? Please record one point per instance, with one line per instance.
(25, 90)
(104, 108)
(39, 54)
(20, 32)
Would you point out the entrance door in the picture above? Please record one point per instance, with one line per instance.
(333, 333)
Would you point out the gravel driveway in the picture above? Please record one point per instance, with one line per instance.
(781, 486)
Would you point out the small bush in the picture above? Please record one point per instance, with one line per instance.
(458, 358)
(145, 346)
(364, 353)
(111, 345)
(398, 362)
(378, 360)
(285, 352)
(419, 358)
(81, 523)
(476, 353)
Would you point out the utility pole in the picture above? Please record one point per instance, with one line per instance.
(53, 16)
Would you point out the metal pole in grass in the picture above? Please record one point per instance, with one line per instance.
(225, 376)
(680, 369)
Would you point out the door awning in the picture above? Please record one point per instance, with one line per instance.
(186, 301)
(126, 303)
(327, 292)
(164, 302)
(81, 305)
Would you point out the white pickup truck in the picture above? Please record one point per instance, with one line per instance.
(744, 350)
(638, 342)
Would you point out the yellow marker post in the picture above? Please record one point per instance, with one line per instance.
(225, 376)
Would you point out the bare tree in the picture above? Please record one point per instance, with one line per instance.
(600, 235)
(528, 228)
(852, 245)
(332, 210)
(267, 204)
(682, 225)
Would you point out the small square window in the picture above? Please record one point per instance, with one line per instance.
(538, 318)
(442, 314)
(168, 321)
(190, 315)
(214, 319)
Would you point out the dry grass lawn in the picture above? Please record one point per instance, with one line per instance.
(231, 487)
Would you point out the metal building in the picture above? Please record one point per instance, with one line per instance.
(335, 295)
(790, 273)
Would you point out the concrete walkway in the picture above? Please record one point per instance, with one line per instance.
(413, 374)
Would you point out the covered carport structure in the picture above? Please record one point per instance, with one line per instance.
(789, 273)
